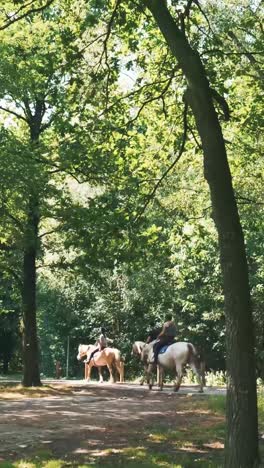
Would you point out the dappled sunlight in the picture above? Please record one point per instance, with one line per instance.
(110, 424)
(192, 448)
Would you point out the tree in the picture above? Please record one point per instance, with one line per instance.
(242, 432)
(39, 89)
(205, 103)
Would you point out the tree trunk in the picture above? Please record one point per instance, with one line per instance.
(5, 363)
(241, 448)
(31, 375)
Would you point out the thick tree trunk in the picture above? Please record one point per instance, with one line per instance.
(242, 425)
(31, 375)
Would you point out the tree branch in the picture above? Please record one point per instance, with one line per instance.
(222, 103)
(155, 98)
(4, 211)
(5, 247)
(246, 200)
(133, 93)
(105, 51)
(182, 148)
(19, 116)
(205, 16)
(249, 55)
(15, 18)
(221, 52)
(49, 232)
(15, 275)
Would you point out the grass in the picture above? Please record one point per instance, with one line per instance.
(130, 458)
(17, 391)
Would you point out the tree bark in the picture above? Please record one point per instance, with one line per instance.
(31, 375)
(241, 449)
(5, 363)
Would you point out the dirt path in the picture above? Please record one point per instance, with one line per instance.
(87, 422)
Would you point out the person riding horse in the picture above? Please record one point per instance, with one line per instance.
(166, 336)
(101, 344)
(153, 333)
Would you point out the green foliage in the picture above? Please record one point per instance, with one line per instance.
(109, 250)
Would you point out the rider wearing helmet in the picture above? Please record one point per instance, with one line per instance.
(101, 344)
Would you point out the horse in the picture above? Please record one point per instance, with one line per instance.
(137, 349)
(176, 356)
(109, 357)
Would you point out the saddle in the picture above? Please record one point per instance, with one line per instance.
(164, 348)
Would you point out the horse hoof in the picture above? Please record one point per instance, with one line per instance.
(200, 391)
(150, 387)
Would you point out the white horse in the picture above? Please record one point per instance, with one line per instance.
(109, 357)
(175, 357)
(137, 349)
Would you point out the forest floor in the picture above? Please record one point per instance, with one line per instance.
(79, 425)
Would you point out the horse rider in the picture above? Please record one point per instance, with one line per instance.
(153, 332)
(165, 337)
(101, 344)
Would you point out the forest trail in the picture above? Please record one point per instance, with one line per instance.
(75, 420)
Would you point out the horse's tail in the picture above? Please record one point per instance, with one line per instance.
(197, 357)
(118, 364)
(117, 355)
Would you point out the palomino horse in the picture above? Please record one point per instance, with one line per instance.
(175, 357)
(109, 357)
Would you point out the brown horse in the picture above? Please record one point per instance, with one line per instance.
(109, 357)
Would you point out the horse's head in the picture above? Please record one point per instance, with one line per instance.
(82, 351)
(137, 348)
(147, 353)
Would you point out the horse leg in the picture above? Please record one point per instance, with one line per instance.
(144, 377)
(149, 373)
(118, 367)
(122, 371)
(195, 367)
(89, 368)
(101, 380)
(179, 377)
(142, 380)
(160, 377)
(110, 368)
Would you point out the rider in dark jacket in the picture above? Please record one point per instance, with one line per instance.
(153, 333)
(166, 336)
